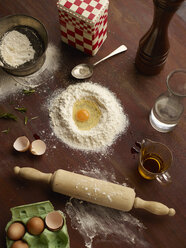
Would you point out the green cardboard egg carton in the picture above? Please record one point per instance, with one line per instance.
(47, 239)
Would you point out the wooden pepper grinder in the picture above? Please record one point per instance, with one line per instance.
(154, 45)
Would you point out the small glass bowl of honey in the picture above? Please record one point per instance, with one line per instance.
(154, 161)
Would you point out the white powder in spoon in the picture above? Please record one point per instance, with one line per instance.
(16, 49)
(112, 123)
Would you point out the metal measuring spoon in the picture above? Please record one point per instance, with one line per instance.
(83, 71)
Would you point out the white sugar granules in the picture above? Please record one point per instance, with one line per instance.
(112, 122)
(16, 49)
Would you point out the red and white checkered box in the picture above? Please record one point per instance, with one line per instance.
(83, 23)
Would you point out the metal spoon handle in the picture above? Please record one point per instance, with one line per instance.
(120, 49)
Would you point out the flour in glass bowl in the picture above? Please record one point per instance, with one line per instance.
(112, 123)
(10, 84)
(16, 49)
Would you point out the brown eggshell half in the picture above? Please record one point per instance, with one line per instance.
(21, 144)
(54, 220)
(38, 147)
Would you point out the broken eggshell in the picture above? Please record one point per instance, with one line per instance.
(54, 220)
(38, 147)
(21, 144)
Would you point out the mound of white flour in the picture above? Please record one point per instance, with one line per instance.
(112, 122)
(16, 49)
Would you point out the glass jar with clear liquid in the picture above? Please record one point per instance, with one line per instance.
(169, 107)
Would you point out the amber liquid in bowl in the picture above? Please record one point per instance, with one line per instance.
(151, 165)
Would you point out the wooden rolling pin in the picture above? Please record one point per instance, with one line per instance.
(93, 190)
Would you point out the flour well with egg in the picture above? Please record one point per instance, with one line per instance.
(87, 116)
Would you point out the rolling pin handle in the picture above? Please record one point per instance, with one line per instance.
(33, 174)
(171, 212)
(154, 207)
(16, 170)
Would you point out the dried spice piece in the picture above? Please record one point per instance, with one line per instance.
(22, 110)
(28, 92)
(36, 136)
(8, 116)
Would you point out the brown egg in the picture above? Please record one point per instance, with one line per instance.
(16, 231)
(35, 225)
(19, 244)
(54, 220)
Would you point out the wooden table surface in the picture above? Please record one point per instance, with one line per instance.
(128, 21)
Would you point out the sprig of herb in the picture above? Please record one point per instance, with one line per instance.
(35, 117)
(22, 110)
(5, 131)
(8, 116)
(25, 120)
(28, 92)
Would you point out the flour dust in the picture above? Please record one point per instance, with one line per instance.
(50, 65)
(10, 85)
(97, 222)
(100, 173)
(93, 221)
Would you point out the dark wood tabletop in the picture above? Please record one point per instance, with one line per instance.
(128, 21)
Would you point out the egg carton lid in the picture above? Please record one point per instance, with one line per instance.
(85, 10)
(30, 210)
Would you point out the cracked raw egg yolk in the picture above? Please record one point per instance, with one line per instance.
(82, 115)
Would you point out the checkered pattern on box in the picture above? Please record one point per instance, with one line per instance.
(66, 17)
(85, 42)
(80, 24)
(89, 9)
(80, 32)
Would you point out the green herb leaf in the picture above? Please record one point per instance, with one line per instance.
(26, 120)
(22, 110)
(28, 92)
(8, 116)
(5, 131)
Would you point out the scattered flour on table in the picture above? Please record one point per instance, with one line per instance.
(104, 223)
(11, 84)
(16, 49)
(113, 121)
(51, 64)
(100, 173)
(101, 223)
(8, 85)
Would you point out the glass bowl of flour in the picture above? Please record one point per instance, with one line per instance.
(23, 42)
